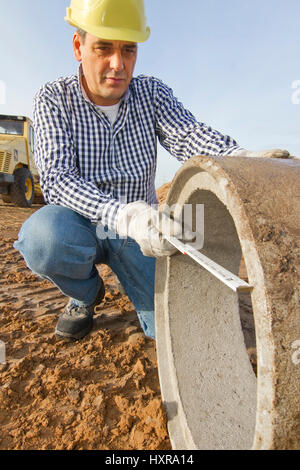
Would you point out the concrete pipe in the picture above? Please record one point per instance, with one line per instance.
(212, 394)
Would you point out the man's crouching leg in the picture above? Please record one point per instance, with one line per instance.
(60, 245)
(136, 273)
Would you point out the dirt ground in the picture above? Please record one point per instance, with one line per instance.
(98, 393)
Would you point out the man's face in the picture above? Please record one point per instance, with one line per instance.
(107, 67)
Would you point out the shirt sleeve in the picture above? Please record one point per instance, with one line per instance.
(181, 134)
(55, 157)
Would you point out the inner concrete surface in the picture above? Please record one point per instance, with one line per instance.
(211, 393)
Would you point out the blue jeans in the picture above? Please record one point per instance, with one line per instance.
(63, 247)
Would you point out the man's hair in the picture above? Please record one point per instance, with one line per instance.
(82, 34)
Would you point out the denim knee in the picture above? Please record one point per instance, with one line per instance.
(46, 241)
(36, 241)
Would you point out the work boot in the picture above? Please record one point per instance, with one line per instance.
(76, 321)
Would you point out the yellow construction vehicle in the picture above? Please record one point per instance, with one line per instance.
(19, 180)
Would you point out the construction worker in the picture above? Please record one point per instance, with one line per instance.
(95, 148)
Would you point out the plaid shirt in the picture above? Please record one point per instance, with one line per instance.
(95, 168)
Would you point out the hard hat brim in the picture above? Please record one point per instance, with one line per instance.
(113, 34)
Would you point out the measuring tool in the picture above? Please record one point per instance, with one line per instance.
(228, 278)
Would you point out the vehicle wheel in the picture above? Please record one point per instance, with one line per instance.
(39, 200)
(5, 198)
(22, 190)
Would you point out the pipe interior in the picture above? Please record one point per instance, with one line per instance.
(211, 330)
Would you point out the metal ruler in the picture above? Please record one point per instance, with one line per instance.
(228, 278)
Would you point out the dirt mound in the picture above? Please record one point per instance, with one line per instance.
(98, 393)
(162, 193)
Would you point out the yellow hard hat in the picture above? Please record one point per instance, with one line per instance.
(121, 20)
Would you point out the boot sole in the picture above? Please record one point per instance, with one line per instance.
(74, 336)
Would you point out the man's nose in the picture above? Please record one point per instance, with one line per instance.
(116, 61)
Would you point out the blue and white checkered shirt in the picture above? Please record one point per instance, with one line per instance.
(95, 168)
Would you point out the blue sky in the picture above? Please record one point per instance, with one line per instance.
(231, 62)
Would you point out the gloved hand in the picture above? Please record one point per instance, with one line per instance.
(146, 226)
(274, 153)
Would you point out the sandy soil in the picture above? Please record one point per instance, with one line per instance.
(98, 393)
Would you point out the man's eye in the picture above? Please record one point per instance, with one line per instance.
(103, 48)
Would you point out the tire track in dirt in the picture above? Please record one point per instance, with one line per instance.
(22, 289)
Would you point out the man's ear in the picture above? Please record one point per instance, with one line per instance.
(77, 44)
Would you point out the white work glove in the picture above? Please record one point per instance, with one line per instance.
(146, 225)
(274, 153)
